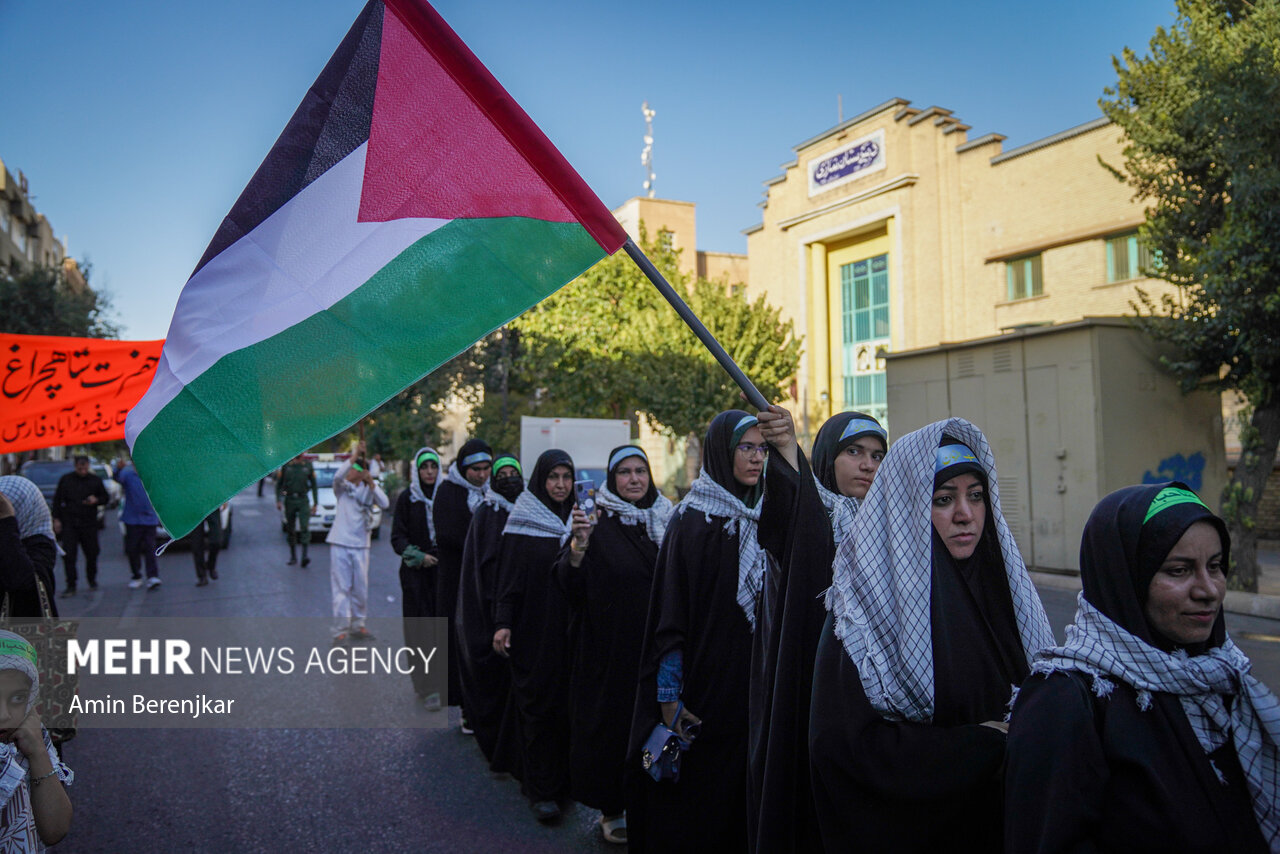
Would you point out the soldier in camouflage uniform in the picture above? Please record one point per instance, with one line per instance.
(295, 479)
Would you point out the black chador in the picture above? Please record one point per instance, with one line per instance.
(917, 656)
(456, 499)
(486, 677)
(1095, 764)
(795, 529)
(608, 594)
(693, 607)
(531, 605)
(411, 525)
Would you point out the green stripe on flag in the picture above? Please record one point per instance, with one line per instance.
(258, 407)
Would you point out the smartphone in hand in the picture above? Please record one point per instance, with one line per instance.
(586, 494)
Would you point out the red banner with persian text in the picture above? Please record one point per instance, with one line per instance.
(69, 391)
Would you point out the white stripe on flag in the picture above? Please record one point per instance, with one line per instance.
(304, 258)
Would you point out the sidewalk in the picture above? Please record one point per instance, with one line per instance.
(1264, 603)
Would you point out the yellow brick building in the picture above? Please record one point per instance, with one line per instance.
(894, 231)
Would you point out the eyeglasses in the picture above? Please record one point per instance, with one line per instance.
(749, 450)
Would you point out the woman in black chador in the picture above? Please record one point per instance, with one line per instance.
(606, 572)
(697, 650)
(413, 538)
(486, 676)
(804, 517)
(531, 627)
(933, 620)
(1145, 730)
(456, 500)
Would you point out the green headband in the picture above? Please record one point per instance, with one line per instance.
(508, 461)
(1169, 497)
(427, 456)
(8, 646)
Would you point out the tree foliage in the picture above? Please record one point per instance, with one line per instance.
(608, 345)
(41, 301)
(1199, 116)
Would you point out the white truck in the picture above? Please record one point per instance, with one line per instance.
(587, 440)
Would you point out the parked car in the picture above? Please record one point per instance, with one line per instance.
(45, 474)
(326, 466)
(163, 535)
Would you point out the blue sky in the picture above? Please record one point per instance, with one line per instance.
(138, 123)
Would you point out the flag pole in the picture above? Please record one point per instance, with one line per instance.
(704, 335)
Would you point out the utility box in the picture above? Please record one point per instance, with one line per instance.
(1073, 413)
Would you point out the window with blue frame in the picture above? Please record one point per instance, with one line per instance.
(864, 287)
(1127, 257)
(1024, 277)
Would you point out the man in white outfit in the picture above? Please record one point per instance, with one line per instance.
(356, 492)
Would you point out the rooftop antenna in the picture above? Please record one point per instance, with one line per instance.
(646, 155)
(839, 108)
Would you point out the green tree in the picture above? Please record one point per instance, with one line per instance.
(41, 301)
(581, 343)
(1201, 126)
(684, 385)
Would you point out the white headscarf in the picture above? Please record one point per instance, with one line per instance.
(882, 577)
(712, 499)
(475, 494)
(417, 495)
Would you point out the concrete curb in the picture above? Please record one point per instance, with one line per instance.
(1237, 602)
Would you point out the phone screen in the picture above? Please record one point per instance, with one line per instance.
(586, 493)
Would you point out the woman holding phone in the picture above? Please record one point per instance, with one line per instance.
(697, 651)
(606, 571)
(531, 622)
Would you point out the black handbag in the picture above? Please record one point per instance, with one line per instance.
(660, 756)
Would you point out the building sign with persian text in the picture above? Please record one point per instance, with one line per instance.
(847, 163)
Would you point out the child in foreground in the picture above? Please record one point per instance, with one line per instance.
(35, 809)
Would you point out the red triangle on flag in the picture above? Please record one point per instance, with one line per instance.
(434, 152)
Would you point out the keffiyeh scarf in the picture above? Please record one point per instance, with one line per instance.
(654, 517)
(29, 507)
(418, 496)
(882, 576)
(1100, 648)
(529, 516)
(475, 494)
(712, 499)
(499, 502)
(840, 508)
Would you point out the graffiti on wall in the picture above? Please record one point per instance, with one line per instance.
(1189, 470)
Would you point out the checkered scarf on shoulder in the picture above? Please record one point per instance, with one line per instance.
(499, 502)
(654, 517)
(841, 509)
(29, 507)
(882, 576)
(529, 516)
(475, 494)
(1101, 649)
(712, 499)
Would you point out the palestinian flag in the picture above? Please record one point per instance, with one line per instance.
(409, 208)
